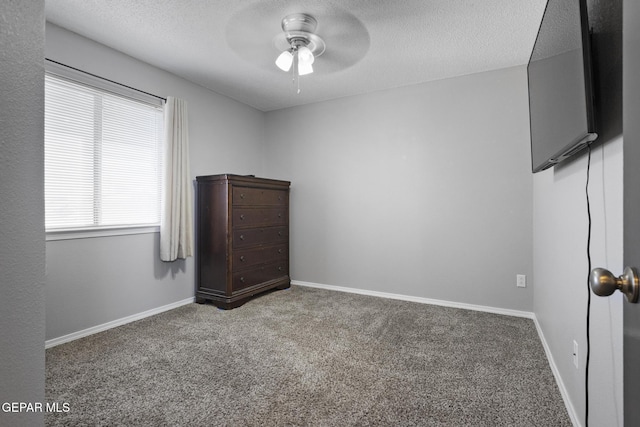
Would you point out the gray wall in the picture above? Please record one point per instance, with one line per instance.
(423, 190)
(560, 241)
(98, 280)
(22, 252)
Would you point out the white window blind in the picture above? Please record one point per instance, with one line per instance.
(103, 157)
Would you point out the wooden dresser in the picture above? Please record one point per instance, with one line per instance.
(242, 238)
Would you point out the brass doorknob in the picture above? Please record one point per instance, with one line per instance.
(604, 283)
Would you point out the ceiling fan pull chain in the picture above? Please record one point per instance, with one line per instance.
(296, 74)
(294, 68)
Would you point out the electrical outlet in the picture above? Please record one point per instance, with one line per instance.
(575, 353)
(521, 281)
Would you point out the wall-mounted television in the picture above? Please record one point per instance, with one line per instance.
(561, 107)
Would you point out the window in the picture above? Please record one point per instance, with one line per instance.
(103, 156)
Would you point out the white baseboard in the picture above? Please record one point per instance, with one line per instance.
(487, 309)
(115, 323)
(573, 415)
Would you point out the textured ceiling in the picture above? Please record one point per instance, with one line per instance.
(228, 45)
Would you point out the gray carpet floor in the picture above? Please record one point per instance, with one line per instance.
(308, 357)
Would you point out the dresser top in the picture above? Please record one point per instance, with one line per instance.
(241, 179)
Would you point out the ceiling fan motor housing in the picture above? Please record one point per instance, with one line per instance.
(299, 31)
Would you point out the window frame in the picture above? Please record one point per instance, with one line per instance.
(80, 77)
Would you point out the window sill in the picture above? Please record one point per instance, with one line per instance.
(89, 233)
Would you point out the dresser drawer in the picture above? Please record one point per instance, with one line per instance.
(247, 258)
(249, 217)
(259, 236)
(258, 196)
(258, 275)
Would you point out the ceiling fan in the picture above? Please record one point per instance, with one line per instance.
(323, 40)
(302, 47)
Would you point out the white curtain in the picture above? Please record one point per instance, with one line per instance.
(176, 228)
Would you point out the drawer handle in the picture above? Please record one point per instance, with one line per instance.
(279, 251)
(242, 258)
(279, 268)
(242, 195)
(242, 216)
(242, 237)
(242, 279)
(279, 215)
(279, 233)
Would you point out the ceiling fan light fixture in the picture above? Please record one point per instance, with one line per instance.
(305, 55)
(301, 45)
(304, 68)
(285, 60)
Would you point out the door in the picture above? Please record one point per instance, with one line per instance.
(631, 143)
